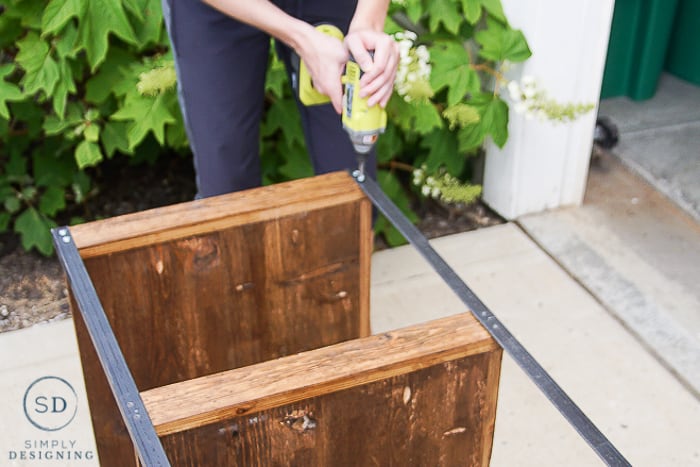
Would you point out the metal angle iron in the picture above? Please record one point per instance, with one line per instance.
(556, 395)
(139, 425)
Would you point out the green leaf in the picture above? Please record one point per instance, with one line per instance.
(470, 137)
(445, 12)
(52, 201)
(100, 85)
(499, 42)
(443, 150)
(421, 117)
(35, 231)
(64, 86)
(58, 12)
(41, 70)
(51, 170)
(80, 186)
(145, 114)
(10, 30)
(4, 221)
(392, 236)
(27, 11)
(92, 132)
(149, 20)
(8, 91)
(16, 166)
(283, 115)
(87, 154)
(54, 124)
(494, 121)
(392, 187)
(175, 134)
(389, 144)
(100, 19)
(494, 117)
(414, 10)
(276, 77)
(495, 8)
(134, 8)
(65, 42)
(12, 205)
(297, 164)
(472, 10)
(31, 113)
(28, 193)
(114, 138)
(452, 69)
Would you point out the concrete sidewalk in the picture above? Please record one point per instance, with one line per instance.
(646, 412)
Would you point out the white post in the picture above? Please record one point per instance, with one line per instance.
(545, 165)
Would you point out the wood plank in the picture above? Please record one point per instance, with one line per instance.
(257, 286)
(197, 402)
(425, 395)
(216, 213)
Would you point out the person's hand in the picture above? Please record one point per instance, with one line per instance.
(377, 83)
(325, 57)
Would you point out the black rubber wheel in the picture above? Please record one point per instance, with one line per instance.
(606, 134)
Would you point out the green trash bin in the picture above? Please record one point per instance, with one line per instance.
(639, 37)
(683, 56)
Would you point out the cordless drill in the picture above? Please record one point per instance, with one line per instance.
(363, 124)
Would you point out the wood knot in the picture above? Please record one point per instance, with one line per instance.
(205, 252)
(299, 421)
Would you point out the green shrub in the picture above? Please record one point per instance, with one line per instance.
(82, 81)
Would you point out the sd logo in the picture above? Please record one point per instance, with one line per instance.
(50, 403)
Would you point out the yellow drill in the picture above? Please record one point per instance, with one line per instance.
(363, 124)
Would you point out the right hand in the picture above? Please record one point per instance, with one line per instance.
(325, 57)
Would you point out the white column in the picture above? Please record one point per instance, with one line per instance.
(545, 165)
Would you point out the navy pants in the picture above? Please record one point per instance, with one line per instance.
(221, 65)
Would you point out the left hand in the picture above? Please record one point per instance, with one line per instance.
(377, 83)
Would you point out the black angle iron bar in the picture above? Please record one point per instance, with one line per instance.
(138, 423)
(583, 425)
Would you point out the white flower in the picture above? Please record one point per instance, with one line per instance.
(528, 81)
(514, 91)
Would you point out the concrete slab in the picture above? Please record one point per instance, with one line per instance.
(675, 102)
(660, 139)
(633, 399)
(639, 254)
(650, 417)
(43, 408)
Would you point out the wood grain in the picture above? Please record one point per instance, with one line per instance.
(211, 285)
(208, 399)
(216, 213)
(425, 395)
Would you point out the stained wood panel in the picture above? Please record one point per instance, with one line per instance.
(203, 287)
(425, 395)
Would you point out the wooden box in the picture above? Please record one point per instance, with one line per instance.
(244, 320)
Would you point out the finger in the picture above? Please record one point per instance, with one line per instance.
(336, 96)
(377, 87)
(362, 56)
(386, 58)
(382, 95)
